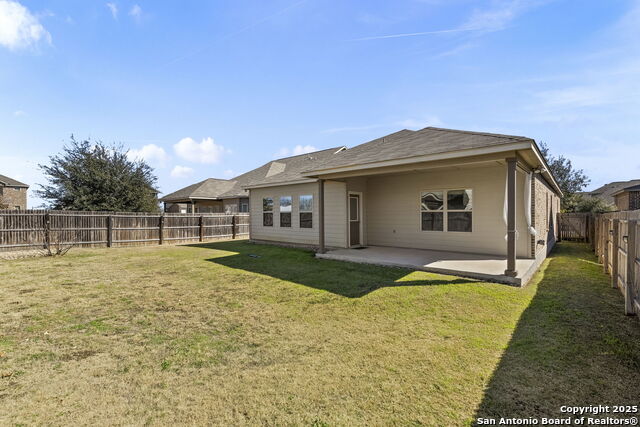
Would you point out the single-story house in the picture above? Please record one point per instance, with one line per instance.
(446, 200)
(229, 195)
(209, 196)
(628, 198)
(13, 193)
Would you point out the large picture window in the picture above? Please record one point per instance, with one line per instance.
(267, 212)
(285, 211)
(306, 211)
(452, 208)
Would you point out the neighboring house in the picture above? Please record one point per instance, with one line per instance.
(13, 193)
(209, 196)
(228, 195)
(628, 198)
(434, 189)
(607, 191)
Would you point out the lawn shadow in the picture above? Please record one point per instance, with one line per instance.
(300, 266)
(573, 345)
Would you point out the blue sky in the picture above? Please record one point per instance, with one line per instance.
(215, 88)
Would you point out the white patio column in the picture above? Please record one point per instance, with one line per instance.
(321, 248)
(512, 163)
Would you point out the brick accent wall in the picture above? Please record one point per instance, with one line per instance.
(545, 205)
(14, 197)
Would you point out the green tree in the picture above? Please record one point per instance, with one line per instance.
(570, 180)
(91, 176)
(591, 204)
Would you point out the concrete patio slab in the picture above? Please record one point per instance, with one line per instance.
(476, 266)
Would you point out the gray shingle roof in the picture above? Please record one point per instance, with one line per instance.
(407, 143)
(10, 182)
(280, 170)
(606, 191)
(210, 188)
(286, 169)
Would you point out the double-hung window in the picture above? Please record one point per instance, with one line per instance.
(306, 211)
(267, 212)
(285, 211)
(447, 210)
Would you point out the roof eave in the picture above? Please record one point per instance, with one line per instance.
(421, 159)
(281, 183)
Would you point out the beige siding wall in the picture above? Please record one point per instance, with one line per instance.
(335, 215)
(546, 205)
(622, 201)
(392, 206)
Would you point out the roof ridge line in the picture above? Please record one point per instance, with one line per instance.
(495, 135)
(303, 154)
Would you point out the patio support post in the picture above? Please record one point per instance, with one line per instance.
(321, 248)
(511, 217)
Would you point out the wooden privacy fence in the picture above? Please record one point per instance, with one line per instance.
(576, 226)
(617, 246)
(32, 229)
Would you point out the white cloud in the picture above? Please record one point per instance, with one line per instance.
(19, 28)
(229, 173)
(480, 21)
(150, 153)
(206, 151)
(136, 12)
(19, 113)
(181, 171)
(296, 151)
(114, 10)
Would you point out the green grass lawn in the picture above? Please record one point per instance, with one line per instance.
(209, 334)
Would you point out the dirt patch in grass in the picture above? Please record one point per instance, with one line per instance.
(206, 334)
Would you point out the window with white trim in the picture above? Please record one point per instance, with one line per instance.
(285, 211)
(446, 210)
(267, 212)
(306, 211)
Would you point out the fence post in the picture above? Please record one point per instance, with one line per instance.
(109, 231)
(201, 225)
(614, 253)
(629, 309)
(586, 228)
(606, 247)
(559, 222)
(47, 230)
(233, 227)
(161, 229)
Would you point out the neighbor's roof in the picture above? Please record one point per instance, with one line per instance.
(10, 182)
(630, 188)
(210, 188)
(408, 143)
(607, 191)
(281, 170)
(286, 170)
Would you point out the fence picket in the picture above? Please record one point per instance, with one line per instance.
(615, 238)
(31, 229)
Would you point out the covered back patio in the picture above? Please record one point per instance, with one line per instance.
(477, 266)
(467, 216)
